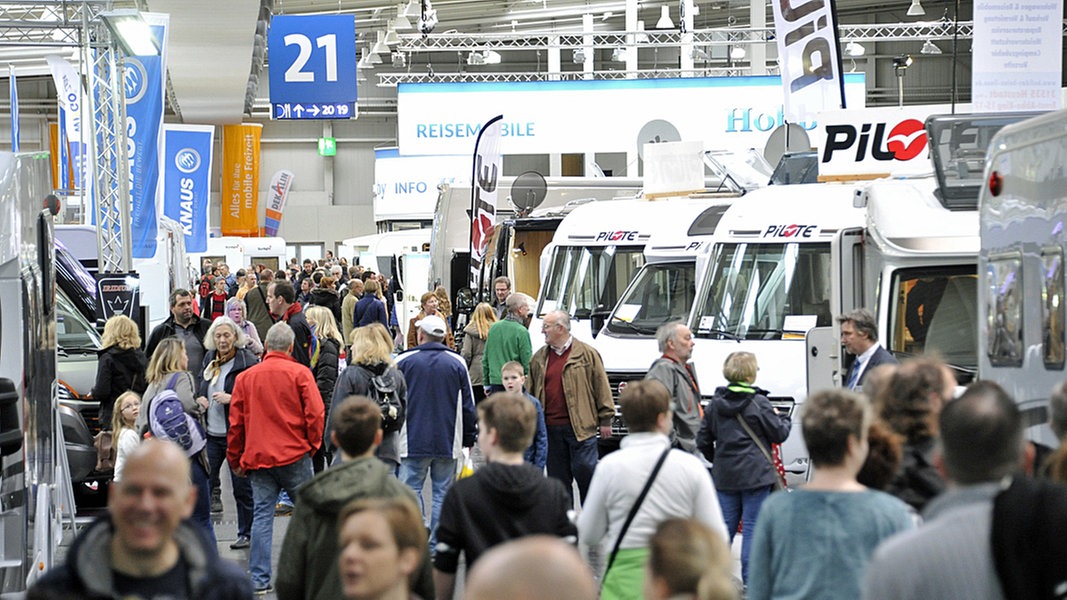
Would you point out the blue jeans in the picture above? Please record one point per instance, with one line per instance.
(202, 508)
(442, 473)
(570, 460)
(266, 483)
(242, 489)
(743, 507)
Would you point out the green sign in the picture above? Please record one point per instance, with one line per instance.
(327, 146)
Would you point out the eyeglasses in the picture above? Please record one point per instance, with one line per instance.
(547, 326)
(129, 407)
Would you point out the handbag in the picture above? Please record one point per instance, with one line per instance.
(779, 481)
(104, 442)
(635, 508)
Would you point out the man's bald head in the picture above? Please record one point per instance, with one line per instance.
(532, 568)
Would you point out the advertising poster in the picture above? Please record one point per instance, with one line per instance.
(240, 179)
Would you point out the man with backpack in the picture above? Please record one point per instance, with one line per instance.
(276, 424)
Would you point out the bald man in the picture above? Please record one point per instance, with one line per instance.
(537, 567)
(145, 546)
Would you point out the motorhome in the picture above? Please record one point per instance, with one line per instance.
(450, 242)
(37, 464)
(1021, 303)
(787, 261)
(242, 252)
(404, 257)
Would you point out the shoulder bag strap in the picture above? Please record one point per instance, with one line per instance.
(635, 508)
(763, 449)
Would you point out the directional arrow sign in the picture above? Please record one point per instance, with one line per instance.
(312, 110)
(312, 66)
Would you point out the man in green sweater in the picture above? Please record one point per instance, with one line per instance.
(308, 565)
(508, 340)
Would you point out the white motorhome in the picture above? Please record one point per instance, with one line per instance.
(1021, 303)
(402, 256)
(36, 462)
(450, 243)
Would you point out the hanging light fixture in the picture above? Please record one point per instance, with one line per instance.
(916, 9)
(855, 49)
(737, 52)
(930, 48)
(665, 21)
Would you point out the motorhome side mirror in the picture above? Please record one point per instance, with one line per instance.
(582, 313)
(465, 300)
(597, 318)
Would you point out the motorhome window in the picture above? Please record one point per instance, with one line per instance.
(659, 293)
(270, 263)
(585, 277)
(765, 291)
(934, 311)
(1004, 311)
(1052, 342)
(708, 220)
(73, 332)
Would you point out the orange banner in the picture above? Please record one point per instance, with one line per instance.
(240, 179)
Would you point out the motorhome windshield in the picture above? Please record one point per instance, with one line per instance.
(583, 278)
(765, 291)
(660, 293)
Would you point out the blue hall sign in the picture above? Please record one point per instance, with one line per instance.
(312, 66)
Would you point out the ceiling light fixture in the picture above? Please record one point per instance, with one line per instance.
(737, 53)
(641, 37)
(411, 9)
(579, 56)
(665, 21)
(485, 57)
(619, 54)
(916, 9)
(399, 60)
(855, 49)
(930, 48)
(391, 37)
(380, 47)
(131, 32)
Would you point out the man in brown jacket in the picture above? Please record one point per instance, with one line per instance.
(569, 379)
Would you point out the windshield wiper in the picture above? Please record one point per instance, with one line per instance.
(634, 328)
(719, 332)
(78, 349)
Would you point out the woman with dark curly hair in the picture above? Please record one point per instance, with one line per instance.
(909, 405)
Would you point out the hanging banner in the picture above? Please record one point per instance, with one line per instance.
(72, 143)
(488, 167)
(145, 82)
(808, 58)
(1017, 55)
(240, 179)
(14, 96)
(186, 183)
(279, 191)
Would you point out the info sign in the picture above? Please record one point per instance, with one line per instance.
(312, 66)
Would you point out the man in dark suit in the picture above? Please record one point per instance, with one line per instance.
(859, 336)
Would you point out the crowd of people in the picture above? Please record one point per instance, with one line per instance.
(918, 488)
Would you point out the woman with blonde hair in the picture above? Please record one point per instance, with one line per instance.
(169, 369)
(372, 348)
(120, 366)
(325, 362)
(687, 559)
(124, 426)
(474, 335)
(236, 311)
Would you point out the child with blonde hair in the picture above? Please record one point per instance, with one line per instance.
(123, 427)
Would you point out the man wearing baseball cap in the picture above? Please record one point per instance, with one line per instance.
(439, 394)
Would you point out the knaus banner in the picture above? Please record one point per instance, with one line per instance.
(808, 56)
(73, 146)
(144, 81)
(186, 184)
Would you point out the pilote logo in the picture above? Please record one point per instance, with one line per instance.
(907, 139)
(788, 231)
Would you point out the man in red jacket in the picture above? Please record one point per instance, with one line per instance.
(272, 443)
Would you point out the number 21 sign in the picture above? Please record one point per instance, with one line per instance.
(312, 60)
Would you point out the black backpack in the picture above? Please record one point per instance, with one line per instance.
(382, 390)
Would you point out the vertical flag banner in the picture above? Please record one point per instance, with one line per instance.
(277, 193)
(186, 183)
(145, 81)
(14, 108)
(240, 179)
(72, 140)
(488, 168)
(1017, 56)
(808, 57)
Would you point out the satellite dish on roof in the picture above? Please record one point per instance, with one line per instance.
(656, 131)
(528, 191)
(786, 138)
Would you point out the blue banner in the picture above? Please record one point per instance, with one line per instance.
(14, 109)
(186, 182)
(144, 81)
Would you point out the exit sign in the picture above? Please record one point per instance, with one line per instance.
(327, 146)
